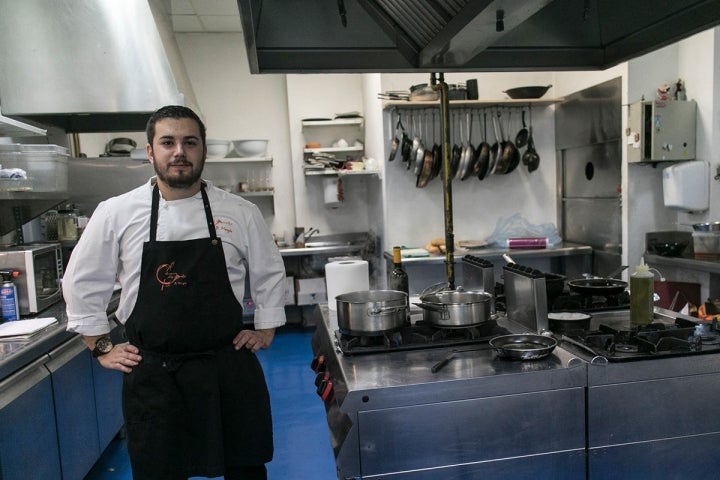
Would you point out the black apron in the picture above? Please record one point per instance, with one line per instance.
(194, 405)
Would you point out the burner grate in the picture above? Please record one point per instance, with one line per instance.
(418, 336)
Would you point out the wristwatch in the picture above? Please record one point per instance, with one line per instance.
(103, 345)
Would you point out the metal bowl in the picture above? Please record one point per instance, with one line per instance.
(527, 92)
(707, 227)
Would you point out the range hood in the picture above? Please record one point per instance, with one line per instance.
(89, 66)
(462, 35)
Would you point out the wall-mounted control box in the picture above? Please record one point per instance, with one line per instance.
(661, 131)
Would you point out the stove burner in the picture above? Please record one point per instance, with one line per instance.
(625, 348)
(649, 341)
(574, 302)
(416, 336)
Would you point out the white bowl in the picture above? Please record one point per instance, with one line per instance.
(250, 148)
(218, 148)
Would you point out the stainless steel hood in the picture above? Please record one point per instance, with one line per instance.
(462, 35)
(89, 66)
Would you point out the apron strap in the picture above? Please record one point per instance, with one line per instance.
(156, 206)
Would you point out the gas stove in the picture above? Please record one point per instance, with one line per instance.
(419, 335)
(613, 338)
(574, 302)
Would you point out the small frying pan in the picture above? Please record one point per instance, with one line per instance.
(482, 153)
(597, 286)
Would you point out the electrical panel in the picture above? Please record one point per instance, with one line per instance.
(661, 131)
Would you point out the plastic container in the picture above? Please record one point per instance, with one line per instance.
(706, 245)
(45, 167)
(642, 288)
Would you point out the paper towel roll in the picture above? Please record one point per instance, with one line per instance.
(345, 276)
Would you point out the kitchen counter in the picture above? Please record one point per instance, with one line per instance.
(16, 354)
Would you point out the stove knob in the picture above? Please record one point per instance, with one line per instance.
(325, 390)
(318, 364)
(322, 377)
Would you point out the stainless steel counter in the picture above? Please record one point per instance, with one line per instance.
(479, 417)
(16, 354)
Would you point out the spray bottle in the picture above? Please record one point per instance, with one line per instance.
(642, 289)
(8, 295)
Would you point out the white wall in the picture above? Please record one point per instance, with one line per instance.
(416, 215)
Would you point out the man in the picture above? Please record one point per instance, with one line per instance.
(194, 396)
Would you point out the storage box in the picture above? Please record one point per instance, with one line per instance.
(310, 291)
(45, 167)
(706, 245)
(290, 290)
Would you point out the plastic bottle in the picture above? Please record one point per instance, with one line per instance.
(642, 289)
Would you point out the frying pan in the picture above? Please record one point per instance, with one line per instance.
(523, 346)
(437, 155)
(419, 156)
(415, 144)
(395, 141)
(597, 286)
(456, 154)
(510, 154)
(469, 164)
(482, 153)
(495, 149)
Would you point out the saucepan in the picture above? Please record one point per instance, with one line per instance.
(523, 346)
(455, 309)
(371, 312)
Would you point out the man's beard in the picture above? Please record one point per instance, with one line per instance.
(180, 179)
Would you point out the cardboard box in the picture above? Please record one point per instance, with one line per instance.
(290, 291)
(310, 291)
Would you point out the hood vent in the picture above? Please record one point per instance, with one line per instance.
(462, 35)
(99, 66)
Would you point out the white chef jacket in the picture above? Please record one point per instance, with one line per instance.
(110, 251)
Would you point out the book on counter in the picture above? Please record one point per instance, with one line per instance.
(24, 329)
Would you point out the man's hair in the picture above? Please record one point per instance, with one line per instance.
(172, 111)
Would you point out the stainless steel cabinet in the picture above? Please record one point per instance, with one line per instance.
(28, 435)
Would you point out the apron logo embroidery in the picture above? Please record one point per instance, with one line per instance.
(166, 277)
(223, 226)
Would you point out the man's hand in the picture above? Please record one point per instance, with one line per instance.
(254, 340)
(122, 356)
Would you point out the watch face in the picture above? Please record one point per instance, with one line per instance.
(103, 345)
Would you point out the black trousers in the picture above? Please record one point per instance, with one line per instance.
(253, 472)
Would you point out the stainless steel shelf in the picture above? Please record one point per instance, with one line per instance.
(333, 123)
(12, 128)
(474, 103)
(263, 159)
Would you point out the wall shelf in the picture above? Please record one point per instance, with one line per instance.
(12, 128)
(263, 193)
(263, 159)
(351, 148)
(474, 103)
(309, 172)
(331, 123)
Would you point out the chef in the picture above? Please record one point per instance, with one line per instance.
(194, 395)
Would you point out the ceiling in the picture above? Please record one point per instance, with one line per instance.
(461, 35)
(207, 16)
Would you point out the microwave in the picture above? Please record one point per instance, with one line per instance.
(41, 270)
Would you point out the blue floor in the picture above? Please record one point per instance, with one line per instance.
(302, 440)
